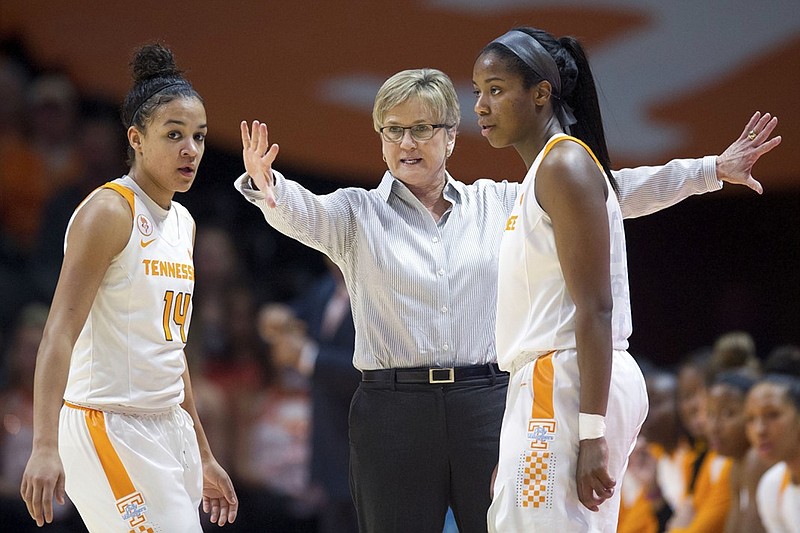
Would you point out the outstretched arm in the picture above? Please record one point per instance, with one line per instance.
(324, 222)
(645, 190)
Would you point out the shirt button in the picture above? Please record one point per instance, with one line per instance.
(446, 347)
(441, 272)
(444, 309)
(435, 239)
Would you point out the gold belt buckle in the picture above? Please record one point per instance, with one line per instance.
(434, 373)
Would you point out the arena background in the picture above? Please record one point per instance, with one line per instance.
(677, 79)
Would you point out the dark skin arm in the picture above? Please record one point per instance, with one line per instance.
(571, 188)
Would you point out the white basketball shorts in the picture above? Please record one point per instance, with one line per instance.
(535, 489)
(132, 473)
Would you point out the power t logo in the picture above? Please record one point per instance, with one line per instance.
(132, 509)
(541, 432)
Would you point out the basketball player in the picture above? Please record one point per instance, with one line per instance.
(112, 397)
(563, 308)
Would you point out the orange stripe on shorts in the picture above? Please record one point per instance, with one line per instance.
(543, 387)
(118, 478)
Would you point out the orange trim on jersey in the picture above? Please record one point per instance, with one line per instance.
(118, 478)
(549, 146)
(543, 387)
(124, 191)
(787, 477)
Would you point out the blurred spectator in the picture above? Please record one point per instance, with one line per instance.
(321, 347)
(214, 410)
(783, 360)
(727, 437)
(641, 498)
(272, 459)
(735, 349)
(706, 496)
(16, 434)
(654, 482)
(101, 152)
(666, 437)
(218, 262)
(22, 190)
(773, 427)
(224, 345)
(38, 152)
(54, 108)
(231, 349)
(224, 323)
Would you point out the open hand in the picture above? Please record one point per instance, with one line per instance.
(735, 164)
(258, 160)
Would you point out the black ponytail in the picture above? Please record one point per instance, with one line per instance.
(586, 107)
(577, 88)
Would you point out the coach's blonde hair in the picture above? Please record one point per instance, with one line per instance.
(432, 87)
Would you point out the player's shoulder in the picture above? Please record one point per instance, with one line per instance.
(568, 159)
(109, 205)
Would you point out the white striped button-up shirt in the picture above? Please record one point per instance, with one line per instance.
(423, 293)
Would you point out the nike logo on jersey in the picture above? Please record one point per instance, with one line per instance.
(145, 243)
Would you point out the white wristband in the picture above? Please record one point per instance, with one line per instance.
(591, 426)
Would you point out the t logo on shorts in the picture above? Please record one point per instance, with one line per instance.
(541, 432)
(132, 509)
(535, 470)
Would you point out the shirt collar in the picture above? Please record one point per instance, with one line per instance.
(389, 184)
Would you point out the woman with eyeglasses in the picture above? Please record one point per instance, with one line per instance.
(419, 257)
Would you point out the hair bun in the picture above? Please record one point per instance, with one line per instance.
(154, 61)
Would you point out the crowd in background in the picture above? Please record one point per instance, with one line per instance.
(253, 387)
(708, 439)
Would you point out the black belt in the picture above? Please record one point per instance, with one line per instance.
(434, 376)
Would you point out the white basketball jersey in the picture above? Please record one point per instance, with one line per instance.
(535, 312)
(779, 500)
(129, 354)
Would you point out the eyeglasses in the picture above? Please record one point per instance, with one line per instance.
(419, 132)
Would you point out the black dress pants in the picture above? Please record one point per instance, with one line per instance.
(416, 449)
